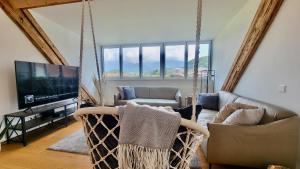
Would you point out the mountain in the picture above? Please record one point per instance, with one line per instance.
(203, 62)
(150, 66)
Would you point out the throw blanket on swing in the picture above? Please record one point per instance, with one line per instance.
(146, 136)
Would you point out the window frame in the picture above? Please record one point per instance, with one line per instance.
(162, 46)
(102, 68)
(184, 61)
(210, 60)
(121, 63)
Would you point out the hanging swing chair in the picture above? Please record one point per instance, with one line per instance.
(102, 124)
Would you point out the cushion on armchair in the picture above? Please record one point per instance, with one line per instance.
(187, 112)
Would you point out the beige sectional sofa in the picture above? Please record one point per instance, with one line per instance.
(273, 141)
(154, 96)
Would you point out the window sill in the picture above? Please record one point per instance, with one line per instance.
(152, 79)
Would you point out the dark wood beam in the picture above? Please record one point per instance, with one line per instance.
(25, 21)
(25, 4)
(264, 17)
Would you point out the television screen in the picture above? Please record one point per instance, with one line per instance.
(39, 83)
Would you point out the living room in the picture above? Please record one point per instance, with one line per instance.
(145, 53)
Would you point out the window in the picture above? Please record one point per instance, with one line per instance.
(151, 61)
(111, 58)
(131, 62)
(159, 60)
(203, 59)
(174, 61)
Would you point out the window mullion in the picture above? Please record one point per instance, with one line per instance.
(121, 61)
(186, 61)
(140, 61)
(210, 59)
(162, 61)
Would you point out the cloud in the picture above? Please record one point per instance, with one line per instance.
(131, 55)
(111, 54)
(151, 54)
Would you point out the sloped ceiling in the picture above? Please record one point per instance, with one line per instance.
(132, 21)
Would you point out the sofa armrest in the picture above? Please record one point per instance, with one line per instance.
(178, 98)
(254, 146)
(116, 99)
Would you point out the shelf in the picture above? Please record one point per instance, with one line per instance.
(40, 116)
(43, 120)
(38, 110)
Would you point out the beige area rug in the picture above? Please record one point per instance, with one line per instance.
(74, 143)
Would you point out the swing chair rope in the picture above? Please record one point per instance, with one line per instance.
(81, 54)
(82, 47)
(196, 60)
(94, 40)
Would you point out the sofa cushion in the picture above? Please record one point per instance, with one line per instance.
(225, 98)
(209, 101)
(206, 116)
(228, 109)
(163, 93)
(272, 113)
(129, 93)
(157, 102)
(142, 92)
(245, 117)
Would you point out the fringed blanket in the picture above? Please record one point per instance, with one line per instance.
(146, 136)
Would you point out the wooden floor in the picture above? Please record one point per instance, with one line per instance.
(36, 156)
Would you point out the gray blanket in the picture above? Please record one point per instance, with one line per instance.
(146, 136)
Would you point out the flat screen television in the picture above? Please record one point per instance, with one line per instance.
(39, 83)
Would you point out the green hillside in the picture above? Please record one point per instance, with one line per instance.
(203, 62)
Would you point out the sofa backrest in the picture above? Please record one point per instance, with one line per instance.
(225, 98)
(273, 113)
(142, 92)
(163, 93)
(156, 92)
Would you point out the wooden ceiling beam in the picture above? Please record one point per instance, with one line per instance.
(26, 4)
(264, 17)
(29, 26)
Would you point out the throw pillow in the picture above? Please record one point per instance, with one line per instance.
(245, 117)
(120, 89)
(209, 101)
(228, 109)
(129, 93)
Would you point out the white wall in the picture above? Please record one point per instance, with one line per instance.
(68, 43)
(229, 40)
(276, 62)
(14, 45)
(142, 21)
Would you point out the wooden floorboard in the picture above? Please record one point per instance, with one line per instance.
(36, 156)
